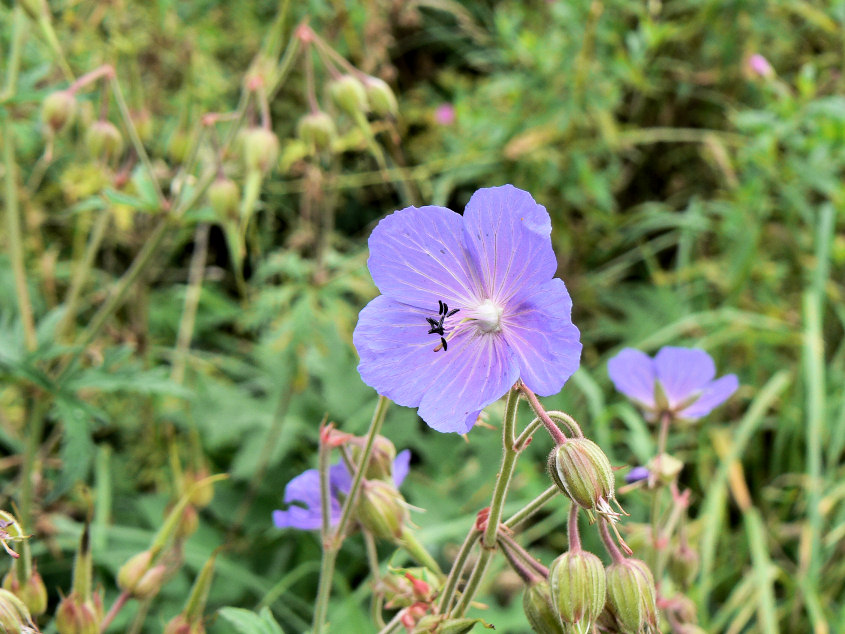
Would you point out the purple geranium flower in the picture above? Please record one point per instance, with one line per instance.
(678, 381)
(468, 306)
(305, 489)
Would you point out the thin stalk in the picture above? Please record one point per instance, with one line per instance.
(610, 545)
(509, 455)
(473, 583)
(375, 573)
(192, 298)
(554, 431)
(532, 507)
(572, 529)
(525, 437)
(513, 548)
(325, 493)
(80, 272)
(12, 68)
(135, 139)
(116, 607)
(331, 544)
(457, 570)
(45, 23)
(414, 548)
(15, 236)
(526, 572)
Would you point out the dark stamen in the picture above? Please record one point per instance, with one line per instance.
(437, 326)
(445, 346)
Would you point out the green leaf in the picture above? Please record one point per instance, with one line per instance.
(77, 451)
(248, 622)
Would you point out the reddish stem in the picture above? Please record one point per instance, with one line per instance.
(115, 608)
(554, 431)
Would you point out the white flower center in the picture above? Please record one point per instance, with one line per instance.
(488, 316)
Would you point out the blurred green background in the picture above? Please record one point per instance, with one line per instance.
(696, 198)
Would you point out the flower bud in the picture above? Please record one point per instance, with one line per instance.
(104, 140)
(540, 610)
(180, 624)
(577, 583)
(631, 595)
(317, 130)
(13, 613)
(683, 565)
(131, 573)
(224, 197)
(178, 146)
(437, 624)
(261, 149)
(381, 98)
(203, 492)
(149, 585)
(75, 616)
(381, 459)
(381, 509)
(348, 94)
(32, 591)
(58, 110)
(665, 467)
(188, 523)
(582, 471)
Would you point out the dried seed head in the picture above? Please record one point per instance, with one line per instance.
(578, 587)
(75, 616)
(631, 595)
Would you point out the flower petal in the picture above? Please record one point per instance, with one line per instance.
(682, 372)
(508, 235)
(401, 466)
(417, 258)
(305, 489)
(543, 338)
(477, 370)
(632, 373)
(711, 397)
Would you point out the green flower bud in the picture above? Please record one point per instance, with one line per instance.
(582, 471)
(149, 585)
(224, 197)
(381, 459)
(349, 94)
(131, 573)
(317, 130)
(32, 592)
(683, 565)
(178, 146)
(58, 110)
(104, 140)
(261, 149)
(203, 492)
(188, 523)
(75, 616)
(382, 100)
(540, 610)
(631, 596)
(381, 509)
(577, 583)
(13, 613)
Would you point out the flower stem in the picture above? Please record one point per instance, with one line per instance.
(609, 544)
(509, 455)
(572, 529)
(414, 548)
(19, 31)
(332, 543)
(519, 558)
(116, 607)
(457, 570)
(554, 431)
(532, 507)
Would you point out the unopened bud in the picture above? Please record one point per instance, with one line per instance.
(178, 146)
(180, 624)
(665, 467)
(349, 94)
(582, 471)
(149, 585)
(577, 583)
(32, 591)
(682, 608)
(203, 492)
(382, 456)
(13, 613)
(381, 509)
(261, 149)
(631, 595)
(381, 98)
(104, 140)
(540, 610)
(131, 573)
(317, 130)
(188, 523)
(75, 616)
(683, 565)
(437, 624)
(224, 198)
(58, 109)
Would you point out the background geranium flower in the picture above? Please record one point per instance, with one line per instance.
(468, 306)
(304, 490)
(678, 381)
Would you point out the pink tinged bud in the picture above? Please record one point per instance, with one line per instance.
(261, 149)
(683, 565)
(180, 624)
(75, 616)
(32, 592)
(131, 573)
(540, 610)
(582, 471)
(14, 615)
(760, 66)
(381, 509)
(58, 110)
(381, 98)
(631, 596)
(445, 114)
(349, 95)
(317, 130)
(578, 589)
(104, 140)
(381, 459)
(149, 585)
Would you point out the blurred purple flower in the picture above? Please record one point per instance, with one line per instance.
(304, 489)
(678, 381)
(445, 114)
(760, 66)
(468, 306)
(636, 474)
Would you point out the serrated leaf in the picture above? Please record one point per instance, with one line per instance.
(248, 622)
(77, 450)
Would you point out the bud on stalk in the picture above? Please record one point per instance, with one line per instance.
(582, 471)
(631, 595)
(578, 589)
(349, 94)
(540, 610)
(381, 509)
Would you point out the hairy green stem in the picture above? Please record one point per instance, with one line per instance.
(509, 455)
(532, 507)
(457, 570)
